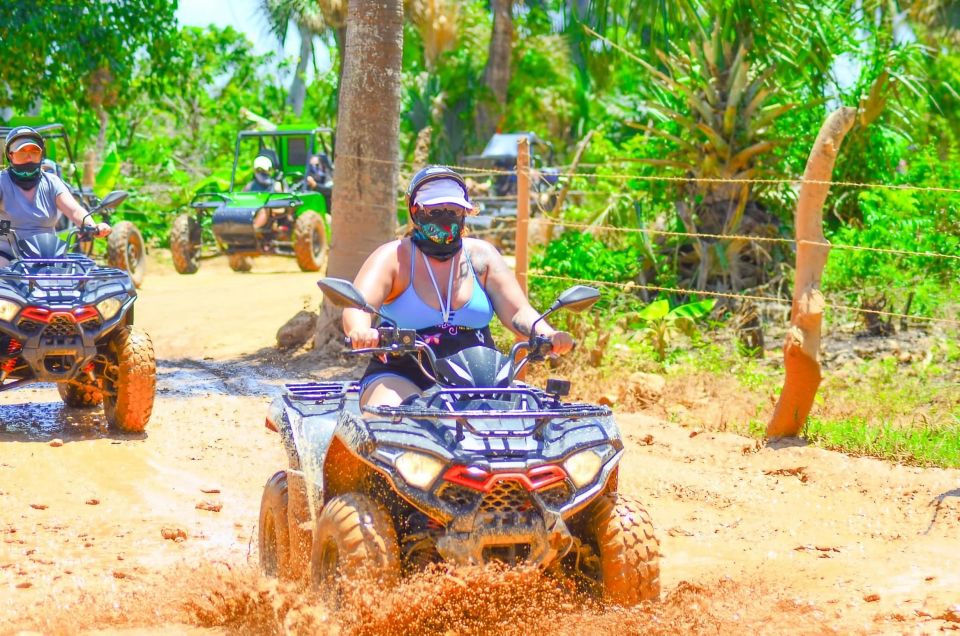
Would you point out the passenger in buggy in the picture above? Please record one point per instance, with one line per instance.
(444, 285)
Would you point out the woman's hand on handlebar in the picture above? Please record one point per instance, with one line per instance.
(364, 338)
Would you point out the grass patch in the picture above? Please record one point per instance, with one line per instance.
(924, 446)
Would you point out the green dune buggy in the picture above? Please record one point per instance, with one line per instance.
(283, 208)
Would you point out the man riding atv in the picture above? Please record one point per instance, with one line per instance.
(31, 199)
(264, 176)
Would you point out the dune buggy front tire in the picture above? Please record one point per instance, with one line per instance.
(240, 263)
(130, 380)
(621, 533)
(81, 393)
(125, 251)
(273, 533)
(310, 242)
(185, 244)
(354, 539)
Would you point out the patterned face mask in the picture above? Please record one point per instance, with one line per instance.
(438, 233)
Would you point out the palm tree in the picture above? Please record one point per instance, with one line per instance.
(496, 75)
(368, 146)
(309, 20)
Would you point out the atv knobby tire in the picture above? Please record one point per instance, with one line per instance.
(131, 380)
(621, 532)
(125, 251)
(310, 242)
(354, 540)
(274, 535)
(185, 244)
(80, 393)
(240, 263)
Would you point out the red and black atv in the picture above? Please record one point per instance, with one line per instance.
(478, 468)
(67, 320)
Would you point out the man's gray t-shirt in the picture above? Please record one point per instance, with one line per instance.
(31, 217)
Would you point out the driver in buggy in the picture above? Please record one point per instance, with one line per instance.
(31, 199)
(264, 176)
(442, 284)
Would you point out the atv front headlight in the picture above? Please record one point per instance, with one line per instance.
(108, 307)
(418, 470)
(583, 467)
(8, 309)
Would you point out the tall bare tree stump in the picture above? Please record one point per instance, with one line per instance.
(802, 346)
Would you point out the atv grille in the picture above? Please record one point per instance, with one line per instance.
(557, 495)
(29, 326)
(460, 498)
(61, 327)
(507, 496)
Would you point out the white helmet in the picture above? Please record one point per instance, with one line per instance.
(263, 163)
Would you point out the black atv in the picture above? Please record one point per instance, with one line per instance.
(478, 468)
(65, 319)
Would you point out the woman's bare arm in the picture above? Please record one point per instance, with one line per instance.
(71, 209)
(509, 301)
(375, 281)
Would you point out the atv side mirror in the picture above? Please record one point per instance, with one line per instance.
(577, 298)
(113, 199)
(342, 293)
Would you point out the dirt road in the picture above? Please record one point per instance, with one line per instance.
(776, 539)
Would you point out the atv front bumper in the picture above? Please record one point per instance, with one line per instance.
(479, 538)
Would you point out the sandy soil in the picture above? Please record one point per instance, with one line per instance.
(770, 539)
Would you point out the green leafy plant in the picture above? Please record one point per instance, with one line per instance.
(660, 325)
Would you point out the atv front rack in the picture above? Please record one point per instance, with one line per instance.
(19, 271)
(539, 412)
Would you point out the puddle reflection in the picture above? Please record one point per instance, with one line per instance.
(44, 421)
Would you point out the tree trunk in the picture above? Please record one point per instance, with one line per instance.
(496, 76)
(367, 145)
(298, 88)
(802, 345)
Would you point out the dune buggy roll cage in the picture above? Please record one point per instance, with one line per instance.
(283, 153)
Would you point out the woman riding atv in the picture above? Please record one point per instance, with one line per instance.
(445, 286)
(31, 200)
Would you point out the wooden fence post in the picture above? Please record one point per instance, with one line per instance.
(802, 344)
(523, 210)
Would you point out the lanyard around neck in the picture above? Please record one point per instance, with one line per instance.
(444, 306)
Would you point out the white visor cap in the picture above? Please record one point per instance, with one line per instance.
(442, 191)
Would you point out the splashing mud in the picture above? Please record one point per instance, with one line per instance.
(476, 600)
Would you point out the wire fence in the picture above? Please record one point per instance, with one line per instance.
(631, 286)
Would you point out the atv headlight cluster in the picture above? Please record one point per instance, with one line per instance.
(583, 467)
(8, 309)
(419, 470)
(108, 307)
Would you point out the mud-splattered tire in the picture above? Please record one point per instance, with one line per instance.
(81, 393)
(125, 251)
(185, 244)
(131, 383)
(354, 539)
(240, 263)
(621, 532)
(273, 533)
(310, 242)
